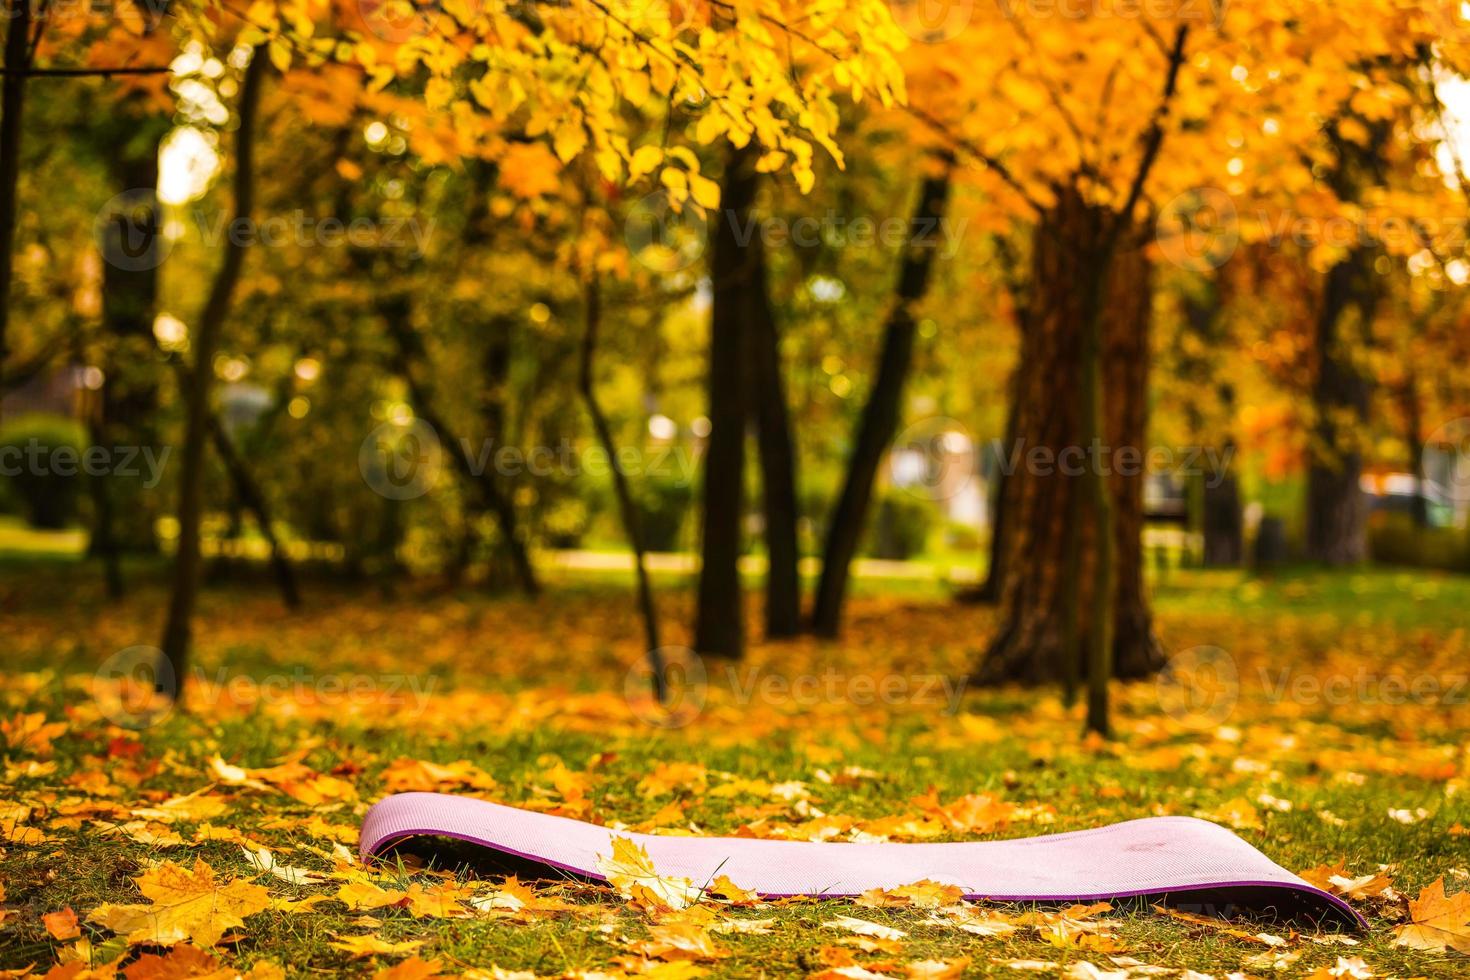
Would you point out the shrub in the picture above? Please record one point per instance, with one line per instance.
(663, 503)
(901, 526)
(1394, 539)
(41, 464)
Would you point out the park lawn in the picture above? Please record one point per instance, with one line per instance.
(296, 723)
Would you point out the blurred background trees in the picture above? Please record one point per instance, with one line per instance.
(853, 271)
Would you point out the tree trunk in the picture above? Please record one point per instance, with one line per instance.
(409, 355)
(989, 590)
(879, 420)
(131, 252)
(103, 544)
(248, 492)
(176, 633)
(12, 105)
(1050, 457)
(777, 454)
(1224, 530)
(1414, 438)
(1336, 510)
(626, 507)
(719, 627)
(1103, 510)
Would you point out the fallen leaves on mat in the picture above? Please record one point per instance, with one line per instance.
(920, 895)
(630, 870)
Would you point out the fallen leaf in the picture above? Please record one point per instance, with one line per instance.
(863, 927)
(412, 968)
(1436, 923)
(185, 904)
(62, 925)
(358, 946)
(630, 870)
(179, 963)
(923, 894)
(265, 861)
(936, 969)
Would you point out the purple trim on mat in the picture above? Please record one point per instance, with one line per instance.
(451, 811)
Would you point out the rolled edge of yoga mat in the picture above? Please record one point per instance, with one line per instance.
(1191, 864)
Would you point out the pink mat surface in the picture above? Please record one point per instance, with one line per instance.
(1189, 863)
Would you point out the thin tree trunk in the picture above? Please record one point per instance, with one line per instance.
(104, 532)
(879, 419)
(495, 366)
(1071, 651)
(409, 355)
(250, 496)
(12, 106)
(626, 507)
(719, 627)
(1414, 436)
(989, 590)
(777, 456)
(1104, 585)
(1224, 530)
(176, 633)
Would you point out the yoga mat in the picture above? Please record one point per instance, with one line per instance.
(1189, 863)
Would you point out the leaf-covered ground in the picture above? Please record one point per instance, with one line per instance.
(221, 840)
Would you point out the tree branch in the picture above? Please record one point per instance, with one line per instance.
(87, 72)
(1153, 137)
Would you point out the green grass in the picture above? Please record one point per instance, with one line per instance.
(521, 683)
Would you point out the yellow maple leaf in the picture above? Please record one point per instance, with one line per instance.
(373, 946)
(936, 969)
(1237, 813)
(680, 941)
(630, 870)
(672, 777)
(194, 807)
(441, 901)
(31, 733)
(727, 890)
(923, 894)
(413, 968)
(864, 927)
(516, 897)
(185, 961)
(363, 894)
(1436, 923)
(185, 904)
